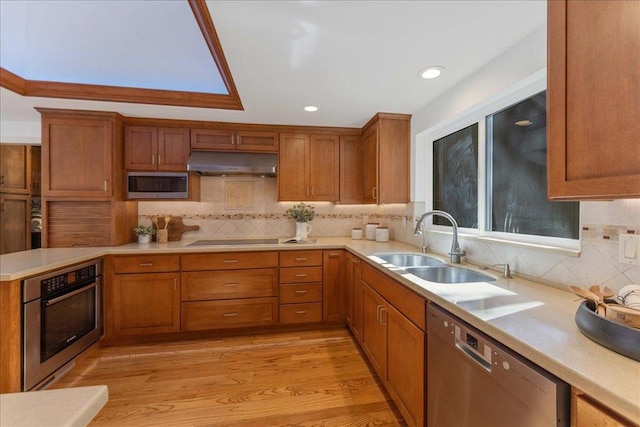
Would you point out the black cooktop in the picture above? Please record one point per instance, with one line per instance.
(236, 242)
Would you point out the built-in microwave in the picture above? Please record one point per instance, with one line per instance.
(157, 185)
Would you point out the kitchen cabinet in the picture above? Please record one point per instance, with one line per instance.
(394, 344)
(234, 140)
(309, 168)
(351, 170)
(353, 298)
(156, 149)
(301, 286)
(586, 412)
(333, 286)
(15, 220)
(15, 169)
(36, 169)
(386, 152)
(229, 290)
(145, 295)
(593, 100)
(83, 180)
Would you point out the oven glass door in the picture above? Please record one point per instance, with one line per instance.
(66, 319)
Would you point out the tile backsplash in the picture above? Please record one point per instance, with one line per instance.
(236, 207)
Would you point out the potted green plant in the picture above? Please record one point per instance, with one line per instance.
(302, 214)
(144, 233)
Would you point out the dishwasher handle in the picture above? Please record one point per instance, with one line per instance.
(470, 352)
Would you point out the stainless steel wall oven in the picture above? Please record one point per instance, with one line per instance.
(62, 316)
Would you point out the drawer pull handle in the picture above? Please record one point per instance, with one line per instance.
(301, 312)
(230, 261)
(146, 264)
(300, 259)
(229, 285)
(301, 275)
(230, 314)
(301, 292)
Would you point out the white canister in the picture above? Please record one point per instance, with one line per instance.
(370, 230)
(356, 234)
(382, 234)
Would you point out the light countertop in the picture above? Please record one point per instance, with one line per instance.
(535, 320)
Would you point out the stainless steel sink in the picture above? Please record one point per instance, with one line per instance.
(410, 260)
(447, 274)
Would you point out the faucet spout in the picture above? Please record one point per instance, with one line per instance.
(456, 253)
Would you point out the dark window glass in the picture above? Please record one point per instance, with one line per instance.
(517, 174)
(455, 177)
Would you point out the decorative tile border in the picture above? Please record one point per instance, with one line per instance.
(249, 216)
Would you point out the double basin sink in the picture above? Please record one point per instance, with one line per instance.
(433, 270)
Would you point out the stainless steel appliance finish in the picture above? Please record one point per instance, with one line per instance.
(218, 163)
(237, 242)
(157, 185)
(475, 381)
(62, 316)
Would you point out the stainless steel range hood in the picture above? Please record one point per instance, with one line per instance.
(212, 163)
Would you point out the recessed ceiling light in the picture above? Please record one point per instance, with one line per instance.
(431, 72)
(523, 123)
(311, 108)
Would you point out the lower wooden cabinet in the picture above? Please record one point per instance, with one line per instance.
(233, 313)
(301, 286)
(333, 289)
(147, 303)
(301, 313)
(586, 412)
(353, 295)
(15, 232)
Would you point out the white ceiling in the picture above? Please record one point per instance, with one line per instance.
(350, 58)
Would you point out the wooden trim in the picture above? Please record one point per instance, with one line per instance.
(11, 81)
(379, 116)
(205, 23)
(48, 89)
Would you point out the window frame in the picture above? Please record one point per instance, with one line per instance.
(478, 113)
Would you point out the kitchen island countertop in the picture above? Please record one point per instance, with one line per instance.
(533, 319)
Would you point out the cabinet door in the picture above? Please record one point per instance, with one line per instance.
(324, 168)
(146, 303)
(36, 169)
(77, 157)
(140, 148)
(349, 264)
(15, 229)
(356, 321)
(586, 412)
(212, 139)
(370, 164)
(293, 167)
(173, 149)
(374, 331)
(14, 169)
(351, 166)
(333, 286)
(257, 141)
(405, 370)
(592, 109)
(394, 139)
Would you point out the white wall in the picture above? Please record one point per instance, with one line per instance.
(14, 132)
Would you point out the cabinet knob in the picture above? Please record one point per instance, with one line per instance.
(300, 259)
(230, 261)
(230, 314)
(159, 159)
(301, 292)
(374, 193)
(301, 312)
(301, 275)
(230, 285)
(153, 159)
(146, 264)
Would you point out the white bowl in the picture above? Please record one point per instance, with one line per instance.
(630, 296)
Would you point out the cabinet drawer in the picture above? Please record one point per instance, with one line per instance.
(209, 285)
(411, 305)
(301, 313)
(146, 263)
(300, 258)
(297, 293)
(300, 274)
(203, 315)
(229, 261)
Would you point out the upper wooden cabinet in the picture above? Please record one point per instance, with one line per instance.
(230, 140)
(351, 178)
(15, 169)
(81, 154)
(386, 151)
(156, 149)
(593, 99)
(308, 167)
(36, 169)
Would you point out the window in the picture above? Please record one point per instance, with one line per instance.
(490, 172)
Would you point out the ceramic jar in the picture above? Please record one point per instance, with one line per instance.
(356, 234)
(382, 234)
(370, 230)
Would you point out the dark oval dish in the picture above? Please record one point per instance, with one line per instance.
(615, 336)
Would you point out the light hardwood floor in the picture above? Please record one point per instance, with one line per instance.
(315, 378)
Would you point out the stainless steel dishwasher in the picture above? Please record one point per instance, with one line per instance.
(474, 381)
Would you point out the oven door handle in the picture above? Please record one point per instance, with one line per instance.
(69, 295)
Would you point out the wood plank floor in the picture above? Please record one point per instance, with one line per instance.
(315, 378)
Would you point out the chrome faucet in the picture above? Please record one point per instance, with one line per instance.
(456, 252)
